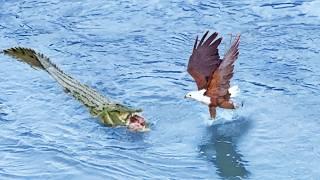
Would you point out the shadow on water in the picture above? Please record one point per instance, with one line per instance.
(221, 148)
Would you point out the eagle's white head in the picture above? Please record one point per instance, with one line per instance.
(198, 96)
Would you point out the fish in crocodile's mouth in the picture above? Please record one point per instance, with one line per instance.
(137, 123)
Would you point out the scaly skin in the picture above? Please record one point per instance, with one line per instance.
(110, 113)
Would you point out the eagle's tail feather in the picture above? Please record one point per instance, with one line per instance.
(234, 91)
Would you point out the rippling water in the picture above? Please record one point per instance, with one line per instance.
(136, 52)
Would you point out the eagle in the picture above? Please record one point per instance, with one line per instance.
(213, 74)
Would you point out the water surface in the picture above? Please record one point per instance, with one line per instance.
(136, 52)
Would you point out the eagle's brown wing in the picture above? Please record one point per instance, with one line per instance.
(204, 59)
(220, 82)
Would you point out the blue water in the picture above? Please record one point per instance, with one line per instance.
(136, 52)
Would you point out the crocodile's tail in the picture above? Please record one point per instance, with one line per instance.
(29, 56)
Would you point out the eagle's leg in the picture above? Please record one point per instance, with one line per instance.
(213, 112)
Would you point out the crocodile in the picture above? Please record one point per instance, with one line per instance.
(110, 113)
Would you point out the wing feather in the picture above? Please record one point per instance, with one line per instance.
(204, 59)
(220, 82)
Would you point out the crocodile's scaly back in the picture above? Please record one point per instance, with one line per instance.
(109, 112)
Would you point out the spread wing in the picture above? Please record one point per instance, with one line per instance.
(204, 59)
(220, 81)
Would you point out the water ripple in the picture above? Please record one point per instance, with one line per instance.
(137, 53)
